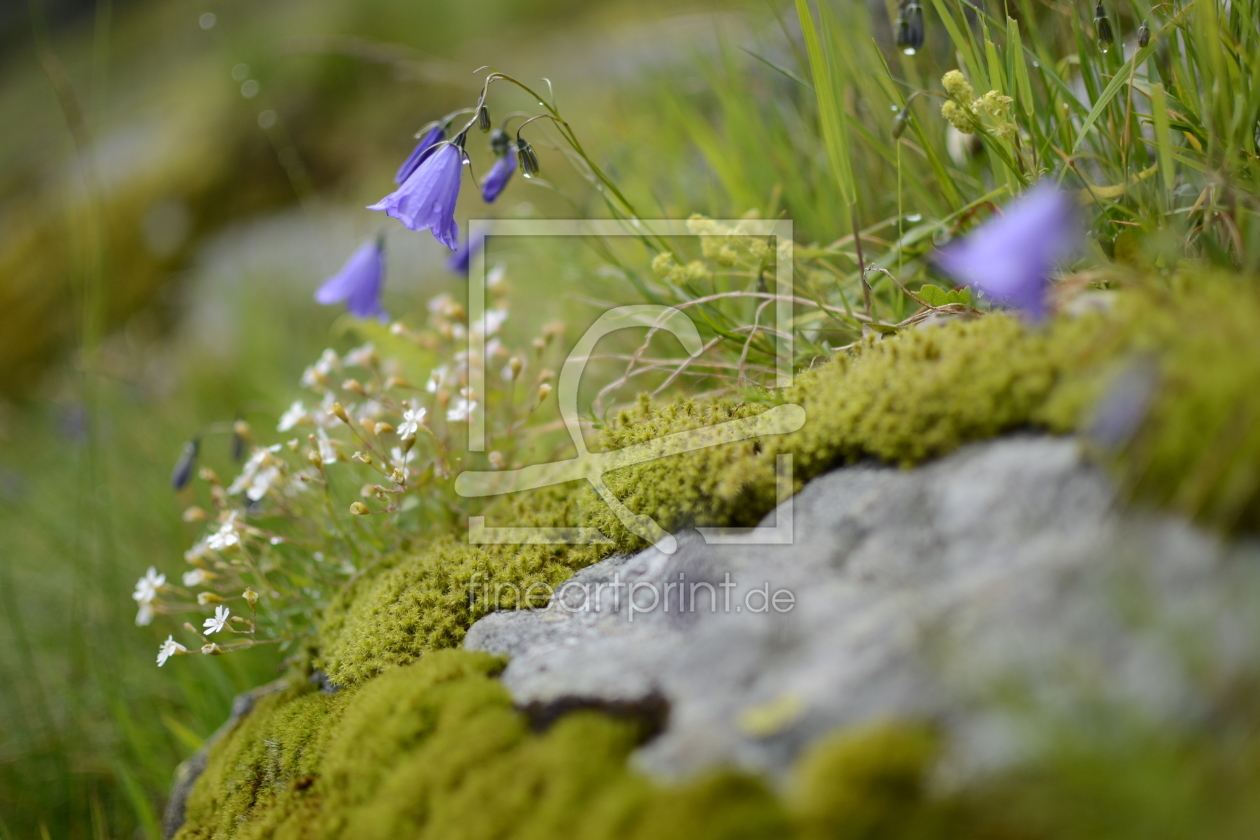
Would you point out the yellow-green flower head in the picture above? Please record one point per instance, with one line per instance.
(957, 86)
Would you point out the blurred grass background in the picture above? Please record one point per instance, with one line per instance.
(159, 245)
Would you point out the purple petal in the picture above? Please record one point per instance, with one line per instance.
(426, 200)
(359, 283)
(420, 153)
(1009, 258)
(458, 262)
(498, 176)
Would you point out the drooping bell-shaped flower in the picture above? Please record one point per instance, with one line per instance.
(426, 200)
(359, 283)
(459, 260)
(1009, 258)
(426, 146)
(498, 177)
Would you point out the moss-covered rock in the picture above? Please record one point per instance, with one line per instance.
(424, 742)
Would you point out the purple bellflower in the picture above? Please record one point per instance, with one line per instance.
(458, 262)
(498, 176)
(420, 153)
(1009, 257)
(358, 283)
(426, 200)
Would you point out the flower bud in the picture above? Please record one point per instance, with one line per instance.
(211, 649)
(544, 391)
(183, 472)
(526, 158)
(500, 143)
(204, 598)
(195, 514)
(354, 386)
(483, 118)
(251, 597)
(909, 28)
(385, 429)
(900, 123)
(1102, 28)
(359, 509)
(1144, 35)
(340, 413)
(515, 365)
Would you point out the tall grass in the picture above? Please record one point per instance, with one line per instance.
(1158, 143)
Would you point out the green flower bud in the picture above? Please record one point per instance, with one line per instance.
(1102, 28)
(526, 157)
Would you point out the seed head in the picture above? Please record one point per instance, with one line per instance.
(1102, 28)
(183, 472)
(526, 157)
(909, 28)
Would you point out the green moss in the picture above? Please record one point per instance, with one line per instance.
(423, 749)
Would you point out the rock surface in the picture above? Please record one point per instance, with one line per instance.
(1004, 575)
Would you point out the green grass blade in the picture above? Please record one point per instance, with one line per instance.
(1015, 51)
(831, 115)
(1163, 137)
(1120, 80)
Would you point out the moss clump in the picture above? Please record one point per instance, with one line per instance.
(436, 749)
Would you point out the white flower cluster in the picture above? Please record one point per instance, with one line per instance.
(366, 416)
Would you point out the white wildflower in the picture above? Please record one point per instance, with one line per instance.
(461, 409)
(259, 473)
(316, 376)
(219, 621)
(296, 414)
(364, 357)
(327, 452)
(494, 277)
(226, 536)
(443, 305)
(413, 419)
(436, 378)
(324, 416)
(144, 616)
(197, 552)
(197, 577)
(493, 321)
(168, 649)
(147, 587)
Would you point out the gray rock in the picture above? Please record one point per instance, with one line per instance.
(1003, 571)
